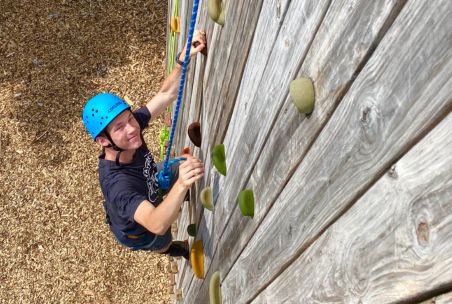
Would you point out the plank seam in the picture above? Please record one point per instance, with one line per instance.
(221, 138)
(228, 119)
(353, 201)
(386, 26)
(265, 141)
(444, 289)
(371, 183)
(234, 101)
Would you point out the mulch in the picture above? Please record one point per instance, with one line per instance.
(54, 245)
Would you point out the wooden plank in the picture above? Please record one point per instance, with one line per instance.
(182, 234)
(168, 32)
(227, 57)
(185, 16)
(300, 24)
(392, 245)
(192, 107)
(331, 50)
(234, 17)
(400, 94)
(181, 130)
(195, 108)
(267, 30)
(234, 56)
(332, 62)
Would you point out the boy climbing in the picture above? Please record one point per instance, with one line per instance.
(138, 216)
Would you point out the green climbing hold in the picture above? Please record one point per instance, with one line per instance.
(246, 202)
(215, 11)
(302, 94)
(219, 158)
(206, 198)
(164, 137)
(191, 230)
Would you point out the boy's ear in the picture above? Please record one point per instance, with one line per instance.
(104, 142)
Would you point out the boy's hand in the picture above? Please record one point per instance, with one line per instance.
(199, 39)
(190, 171)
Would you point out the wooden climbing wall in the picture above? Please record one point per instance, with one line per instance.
(352, 204)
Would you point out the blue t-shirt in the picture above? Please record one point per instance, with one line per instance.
(125, 186)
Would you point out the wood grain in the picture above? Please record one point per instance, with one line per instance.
(398, 97)
(392, 245)
(332, 63)
(301, 22)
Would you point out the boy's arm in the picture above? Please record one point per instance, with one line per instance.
(159, 219)
(169, 90)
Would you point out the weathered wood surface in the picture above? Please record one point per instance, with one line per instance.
(400, 94)
(392, 245)
(191, 112)
(185, 15)
(301, 26)
(227, 59)
(182, 223)
(234, 39)
(332, 62)
(289, 49)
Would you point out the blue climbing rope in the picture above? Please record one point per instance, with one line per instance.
(164, 177)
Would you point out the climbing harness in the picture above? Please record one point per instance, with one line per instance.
(164, 177)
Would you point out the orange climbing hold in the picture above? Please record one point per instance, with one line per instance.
(175, 24)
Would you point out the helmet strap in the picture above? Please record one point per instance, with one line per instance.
(114, 147)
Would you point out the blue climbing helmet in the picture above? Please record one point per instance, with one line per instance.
(100, 110)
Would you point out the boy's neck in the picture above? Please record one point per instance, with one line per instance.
(125, 157)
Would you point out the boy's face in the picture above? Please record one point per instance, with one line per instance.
(125, 131)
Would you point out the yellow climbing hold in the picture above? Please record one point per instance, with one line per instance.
(215, 288)
(175, 24)
(215, 11)
(206, 198)
(197, 259)
(302, 94)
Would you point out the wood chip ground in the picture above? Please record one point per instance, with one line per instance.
(54, 55)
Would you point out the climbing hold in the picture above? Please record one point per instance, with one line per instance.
(215, 11)
(206, 198)
(246, 202)
(215, 288)
(302, 94)
(164, 137)
(185, 150)
(194, 133)
(191, 230)
(219, 158)
(197, 259)
(175, 24)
